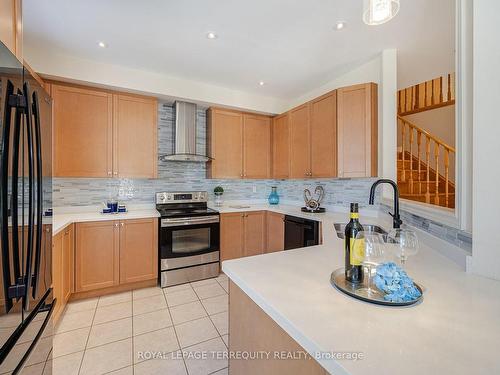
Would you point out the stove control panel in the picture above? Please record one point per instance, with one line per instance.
(181, 197)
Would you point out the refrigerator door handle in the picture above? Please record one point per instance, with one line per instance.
(4, 197)
(31, 197)
(39, 193)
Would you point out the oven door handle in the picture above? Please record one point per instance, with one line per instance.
(189, 221)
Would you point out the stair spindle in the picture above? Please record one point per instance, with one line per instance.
(446, 175)
(436, 156)
(411, 161)
(403, 141)
(428, 163)
(419, 143)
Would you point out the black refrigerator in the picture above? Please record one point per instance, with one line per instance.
(26, 298)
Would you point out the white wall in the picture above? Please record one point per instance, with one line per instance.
(486, 138)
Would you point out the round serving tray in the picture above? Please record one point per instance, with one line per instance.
(337, 279)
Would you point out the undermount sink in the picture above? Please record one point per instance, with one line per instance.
(340, 229)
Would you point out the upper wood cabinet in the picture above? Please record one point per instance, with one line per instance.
(357, 131)
(135, 136)
(11, 26)
(83, 132)
(239, 144)
(102, 134)
(300, 145)
(97, 255)
(256, 146)
(281, 146)
(242, 234)
(138, 250)
(225, 143)
(324, 136)
(275, 232)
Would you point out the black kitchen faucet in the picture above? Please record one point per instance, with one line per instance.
(396, 220)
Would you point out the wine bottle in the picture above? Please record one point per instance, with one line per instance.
(353, 257)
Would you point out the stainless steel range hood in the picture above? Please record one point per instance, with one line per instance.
(184, 135)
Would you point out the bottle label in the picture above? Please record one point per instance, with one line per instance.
(354, 215)
(357, 251)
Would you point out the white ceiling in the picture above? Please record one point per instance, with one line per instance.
(289, 44)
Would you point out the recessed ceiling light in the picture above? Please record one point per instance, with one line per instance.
(102, 44)
(262, 83)
(211, 35)
(340, 25)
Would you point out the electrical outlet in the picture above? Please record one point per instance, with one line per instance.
(254, 189)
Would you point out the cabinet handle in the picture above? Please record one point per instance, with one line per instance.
(122, 224)
(115, 173)
(116, 225)
(109, 173)
(241, 174)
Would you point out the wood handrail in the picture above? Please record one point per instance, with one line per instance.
(427, 134)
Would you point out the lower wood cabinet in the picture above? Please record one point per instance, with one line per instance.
(63, 267)
(110, 253)
(242, 234)
(275, 232)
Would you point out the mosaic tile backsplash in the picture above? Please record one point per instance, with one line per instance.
(181, 176)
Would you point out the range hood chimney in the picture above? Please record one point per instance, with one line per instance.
(184, 134)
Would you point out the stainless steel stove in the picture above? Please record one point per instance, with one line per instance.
(188, 237)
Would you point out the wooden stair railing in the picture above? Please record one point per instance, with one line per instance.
(427, 95)
(408, 133)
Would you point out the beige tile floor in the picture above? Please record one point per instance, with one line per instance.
(118, 334)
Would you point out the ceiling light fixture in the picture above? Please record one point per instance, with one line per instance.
(102, 44)
(211, 35)
(377, 12)
(261, 83)
(340, 25)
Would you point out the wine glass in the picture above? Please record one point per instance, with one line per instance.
(371, 247)
(404, 243)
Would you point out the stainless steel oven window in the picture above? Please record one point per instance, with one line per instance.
(185, 241)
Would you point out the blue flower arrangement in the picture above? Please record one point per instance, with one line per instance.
(395, 283)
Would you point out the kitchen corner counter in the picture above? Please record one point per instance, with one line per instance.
(66, 216)
(454, 330)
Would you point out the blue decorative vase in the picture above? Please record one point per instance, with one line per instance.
(273, 197)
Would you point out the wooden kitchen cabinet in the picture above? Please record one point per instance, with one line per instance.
(98, 133)
(138, 250)
(83, 132)
(97, 257)
(63, 267)
(68, 263)
(256, 146)
(239, 144)
(323, 132)
(225, 142)
(254, 238)
(11, 26)
(275, 232)
(242, 234)
(357, 130)
(281, 146)
(231, 235)
(300, 146)
(135, 136)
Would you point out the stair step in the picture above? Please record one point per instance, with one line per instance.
(420, 187)
(421, 198)
(423, 175)
(406, 164)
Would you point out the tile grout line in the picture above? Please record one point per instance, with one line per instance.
(86, 342)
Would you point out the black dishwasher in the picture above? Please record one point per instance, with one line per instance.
(300, 232)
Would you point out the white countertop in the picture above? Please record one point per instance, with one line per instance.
(67, 215)
(455, 330)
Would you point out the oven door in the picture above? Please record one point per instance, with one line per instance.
(186, 237)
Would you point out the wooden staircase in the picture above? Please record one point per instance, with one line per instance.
(423, 166)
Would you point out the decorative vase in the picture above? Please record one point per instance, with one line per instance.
(218, 199)
(273, 197)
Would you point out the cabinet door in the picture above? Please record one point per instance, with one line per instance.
(57, 273)
(324, 136)
(97, 255)
(256, 146)
(255, 233)
(8, 24)
(281, 146)
(357, 130)
(225, 141)
(300, 145)
(82, 132)
(68, 264)
(135, 136)
(275, 232)
(231, 236)
(138, 250)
